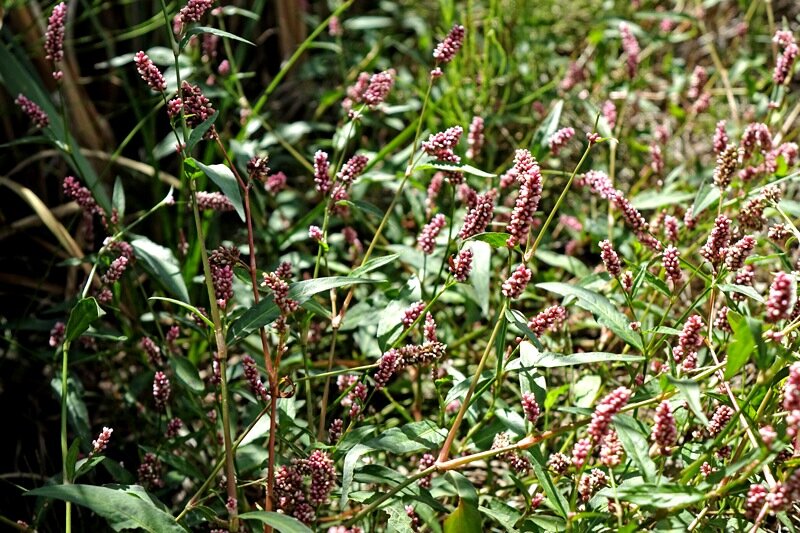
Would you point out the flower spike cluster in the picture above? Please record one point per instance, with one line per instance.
(527, 172)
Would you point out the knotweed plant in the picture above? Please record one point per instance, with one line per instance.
(354, 268)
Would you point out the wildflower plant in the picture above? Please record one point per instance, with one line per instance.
(379, 271)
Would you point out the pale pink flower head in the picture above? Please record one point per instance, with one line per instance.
(380, 85)
(580, 452)
(549, 319)
(102, 441)
(352, 169)
(54, 36)
(475, 137)
(440, 145)
(194, 10)
(149, 72)
(720, 137)
(515, 285)
(531, 407)
(791, 400)
(782, 296)
(718, 240)
(560, 138)
(34, 112)
(161, 390)
(412, 313)
(610, 258)
(665, 432)
(322, 178)
(610, 405)
(527, 173)
(609, 111)
(461, 265)
(672, 267)
(427, 237)
(479, 216)
(447, 49)
(631, 48)
(722, 415)
(787, 58)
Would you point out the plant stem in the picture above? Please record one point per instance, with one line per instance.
(448, 443)
(272, 370)
(222, 353)
(290, 63)
(217, 467)
(64, 444)
(336, 322)
(532, 250)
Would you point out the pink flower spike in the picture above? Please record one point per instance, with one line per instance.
(515, 285)
(149, 72)
(449, 47)
(34, 112)
(54, 37)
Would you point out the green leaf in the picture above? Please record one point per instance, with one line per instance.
(706, 197)
(467, 169)
(502, 513)
(205, 29)
(368, 22)
(605, 312)
(554, 360)
(585, 390)
(741, 346)
(72, 458)
(492, 238)
(479, 278)
(118, 198)
(399, 521)
(303, 290)
(690, 390)
(555, 497)
(162, 265)
(464, 488)
(348, 467)
(77, 414)
(81, 317)
(187, 374)
(410, 438)
(124, 507)
(372, 264)
(746, 290)
(279, 521)
(226, 181)
(263, 313)
(541, 139)
(84, 466)
(465, 519)
(199, 131)
(634, 441)
(652, 199)
(186, 306)
(652, 495)
(571, 264)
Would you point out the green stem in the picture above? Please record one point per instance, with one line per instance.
(64, 444)
(448, 443)
(222, 352)
(532, 250)
(217, 467)
(290, 63)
